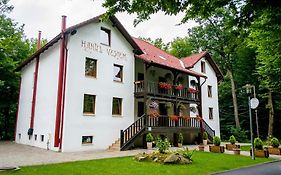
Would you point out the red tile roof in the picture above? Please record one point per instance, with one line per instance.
(191, 60)
(158, 56)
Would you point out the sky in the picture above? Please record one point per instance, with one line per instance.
(45, 15)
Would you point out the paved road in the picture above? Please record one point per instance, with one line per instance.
(273, 168)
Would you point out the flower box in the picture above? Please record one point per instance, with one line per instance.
(276, 151)
(186, 118)
(236, 151)
(179, 87)
(231, 147)
(191, 90)
(174, 118)
(216, 149)
(201, 147)
(260, 153)
(164, 85)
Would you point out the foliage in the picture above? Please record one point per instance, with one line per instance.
(158, 42)
(274, 142)
(162, 145)
(205, 135)
(180, 140)
(216, 141)
(239, 134)
(181, 47)
(258, 143)
(149, 137)
(232, 140)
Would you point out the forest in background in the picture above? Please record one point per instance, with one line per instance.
(243, 36)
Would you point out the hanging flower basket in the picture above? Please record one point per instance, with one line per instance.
(154, 114)
(164, 85)
(186, 118)
(191, 90)
(174, 118)
(179, 87)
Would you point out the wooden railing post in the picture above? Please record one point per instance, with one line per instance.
(121, 138)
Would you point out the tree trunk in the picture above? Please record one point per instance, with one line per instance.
(270, 114)
(234, 98)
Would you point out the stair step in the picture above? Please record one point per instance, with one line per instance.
(114, 146)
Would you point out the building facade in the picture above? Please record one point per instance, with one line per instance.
(93, 79)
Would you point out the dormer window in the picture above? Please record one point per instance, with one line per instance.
(203, 67)
(105, 36)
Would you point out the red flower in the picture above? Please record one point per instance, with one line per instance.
(174, 117)
(179, 87)
(154, 114)
(186, 118)
(164, 85)
(191, 90)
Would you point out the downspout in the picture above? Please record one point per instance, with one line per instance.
(17, 116)
(31, 125)
(60, 84)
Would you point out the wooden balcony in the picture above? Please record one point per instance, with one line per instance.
(156, 89)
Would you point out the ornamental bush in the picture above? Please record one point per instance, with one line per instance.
(258, 143)
(232, 140)
(162, 145)
(274, 142)
(216, 141)
(205, 135)
(180, 140)
(149, 137)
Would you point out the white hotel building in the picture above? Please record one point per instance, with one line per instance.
(94, 84)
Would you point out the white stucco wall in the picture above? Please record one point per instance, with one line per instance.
(209, 102)
(104, 127)
(45, 107)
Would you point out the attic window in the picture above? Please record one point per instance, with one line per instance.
(105, 36)
(203, 67)
(163, 58)
(182, 65)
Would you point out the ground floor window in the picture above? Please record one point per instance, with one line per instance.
(117, 106)
(42, 138)
(87, 139)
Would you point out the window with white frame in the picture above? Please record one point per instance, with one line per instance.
(211, 115)
(89, 104)
(118, 73)
(91, 67)
(117, 106)
(210, 94)
(105, 36)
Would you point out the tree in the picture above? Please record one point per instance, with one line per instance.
(14, 48)
(181, 47)
(158, 42)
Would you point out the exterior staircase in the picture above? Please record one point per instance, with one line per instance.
(115, 146)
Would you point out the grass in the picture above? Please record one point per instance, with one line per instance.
(245, 147)
(203, 163)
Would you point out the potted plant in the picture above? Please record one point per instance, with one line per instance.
(205, 138)
(180, 140)
(201, 147)
(216, 148)
(149, 139)
(274, 148)
(259, 151)
(232, 144)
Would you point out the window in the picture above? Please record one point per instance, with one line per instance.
(203, 68)
(89, 104)
(117, 106)
(211, 117)
(42, 138)
(29, 137)
(91, 67)
(118, 73)
(19, 136)
(87, 139)
(35, 137)
(210, 91)
(105, 36)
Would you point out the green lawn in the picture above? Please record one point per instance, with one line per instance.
(245, 148)
(204, 163)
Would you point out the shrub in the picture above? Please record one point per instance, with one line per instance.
(239, 134)
(180, 140)
(274, 142)
(232, 140)
(216, 141)
(149, 137)
(205, 135)
(258, 143)
(162, 145)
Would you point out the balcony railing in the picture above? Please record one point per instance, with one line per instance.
(166, 90)
(166, 121)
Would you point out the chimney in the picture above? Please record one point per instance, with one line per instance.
(63, 23)
(39, 40)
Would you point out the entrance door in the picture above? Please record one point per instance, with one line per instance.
(140, 108)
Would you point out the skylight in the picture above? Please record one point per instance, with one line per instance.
(163, 58)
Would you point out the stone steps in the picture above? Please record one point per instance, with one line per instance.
(115, 146)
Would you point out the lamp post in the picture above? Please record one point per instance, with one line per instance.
(249, 91)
